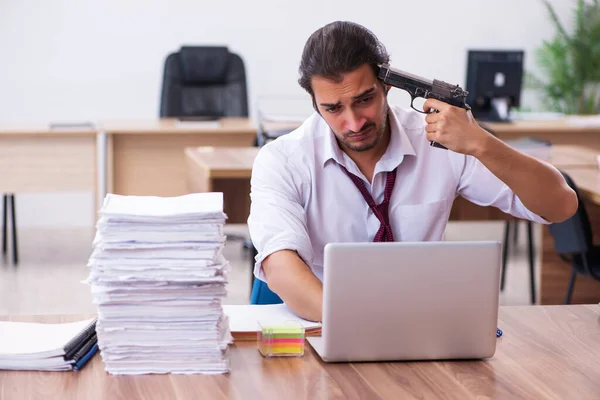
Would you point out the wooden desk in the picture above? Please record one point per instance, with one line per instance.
(223, 169)
(560, 131)
(545, 353)
(146, 157)
(561, 156)
(569, 156)
(587, 181)
(37, 159)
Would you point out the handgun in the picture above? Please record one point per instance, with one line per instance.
(417, 86)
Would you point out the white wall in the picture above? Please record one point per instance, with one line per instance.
(84, 59)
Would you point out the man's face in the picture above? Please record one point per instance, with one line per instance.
(355, 108)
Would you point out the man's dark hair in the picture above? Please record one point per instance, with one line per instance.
(338, 48)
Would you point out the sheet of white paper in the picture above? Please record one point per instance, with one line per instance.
(187, 124)
(194, 204)
(249, 318)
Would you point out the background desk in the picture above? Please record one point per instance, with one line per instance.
(36, 159)
(560, 131)
(223, 169)
(545, 353)
(229, 170)
(561, 156)
(146, 157)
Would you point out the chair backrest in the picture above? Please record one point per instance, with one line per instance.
(575, 234)
(204, 81)
(261, 294)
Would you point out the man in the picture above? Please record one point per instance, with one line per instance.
(359, 170)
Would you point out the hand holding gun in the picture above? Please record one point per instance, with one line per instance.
(424, 88)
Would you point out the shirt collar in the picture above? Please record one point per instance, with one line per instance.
(398, 147)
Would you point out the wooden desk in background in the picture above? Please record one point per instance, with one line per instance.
(562, 131)
(545, 352)
(561, 156)
(588, 182)
(146, 157)
(224, 169)
(37, 159)
(229, 169)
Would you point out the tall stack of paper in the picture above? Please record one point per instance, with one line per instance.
(158, 276)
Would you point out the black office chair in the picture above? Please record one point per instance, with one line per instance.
(204, 81)
(573, 241)
(9, 198)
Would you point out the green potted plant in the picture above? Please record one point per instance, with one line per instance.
(570, 63)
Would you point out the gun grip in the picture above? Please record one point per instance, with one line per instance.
(436, 144)
(433, 143)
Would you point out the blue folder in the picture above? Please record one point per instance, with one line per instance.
(83, 360)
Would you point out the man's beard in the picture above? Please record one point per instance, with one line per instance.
(346, 139)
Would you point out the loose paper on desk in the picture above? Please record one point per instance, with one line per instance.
(208, 124)
(247, 319)
(591, 121)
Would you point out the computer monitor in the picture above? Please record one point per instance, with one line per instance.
(494, 80)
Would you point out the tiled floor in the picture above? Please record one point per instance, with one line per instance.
(48, 279)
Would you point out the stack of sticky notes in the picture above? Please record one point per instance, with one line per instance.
(281, 340)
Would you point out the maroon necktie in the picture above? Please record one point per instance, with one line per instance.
(384, 234)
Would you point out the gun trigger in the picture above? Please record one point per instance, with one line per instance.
(412, 105)
(417, 110)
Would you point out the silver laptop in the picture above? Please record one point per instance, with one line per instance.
(409, 301)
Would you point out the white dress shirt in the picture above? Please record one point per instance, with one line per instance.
(302, 199)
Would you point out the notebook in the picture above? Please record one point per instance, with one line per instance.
(245, 320)
(40, 346)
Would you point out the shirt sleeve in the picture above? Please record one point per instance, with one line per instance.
(480, 186)
(277, 218)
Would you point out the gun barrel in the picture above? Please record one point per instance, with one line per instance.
(393, 75)
(421, 87)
